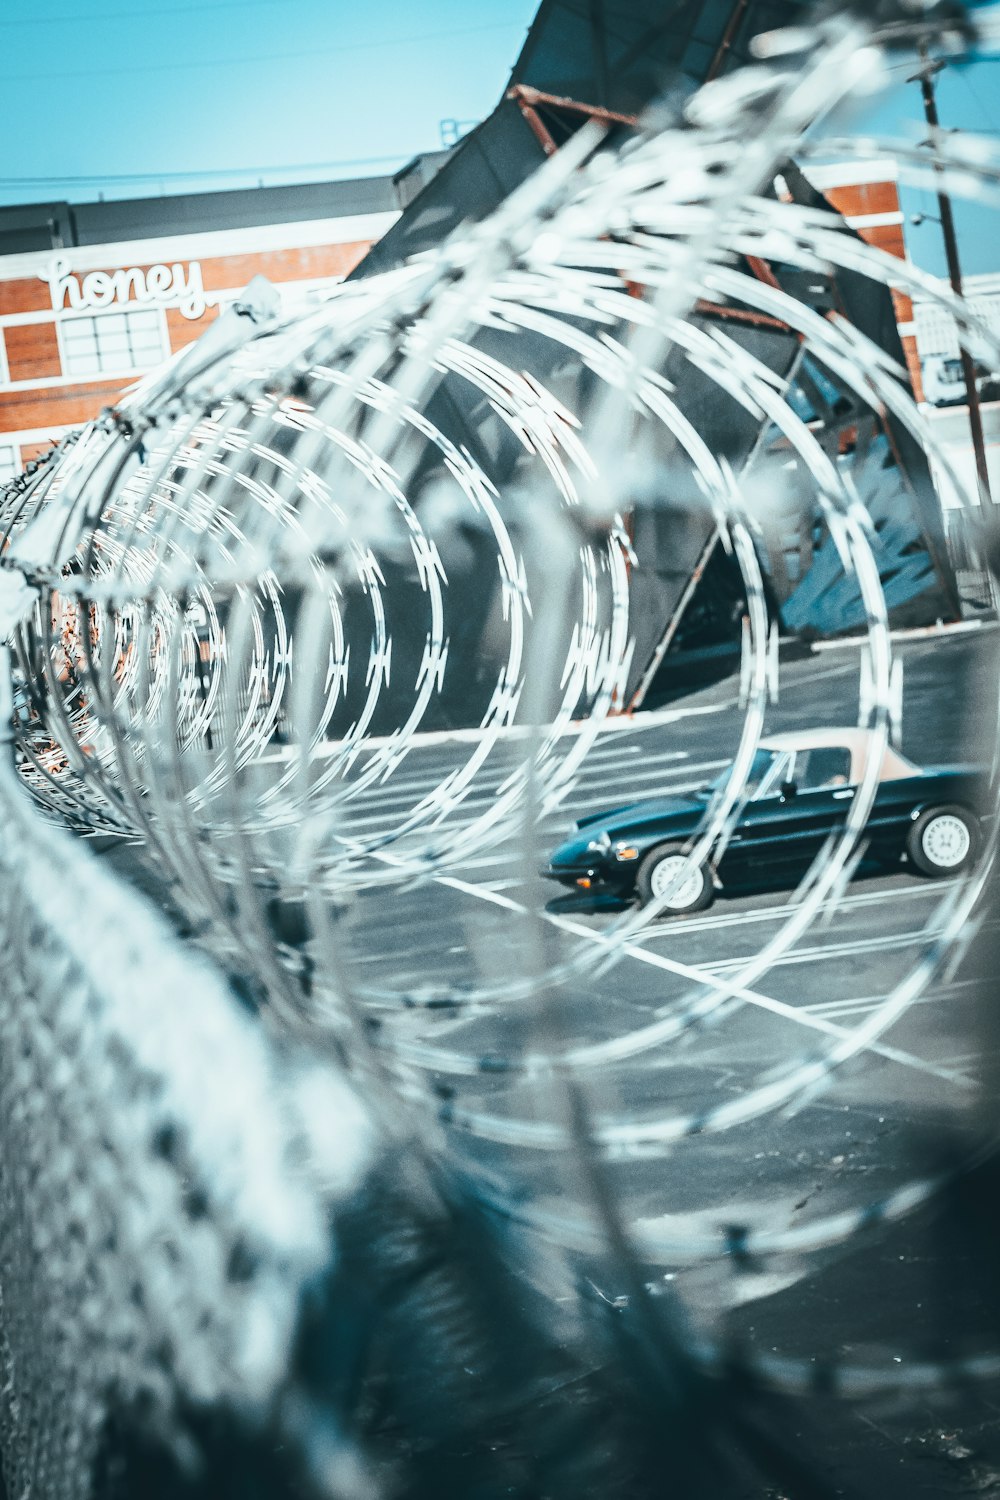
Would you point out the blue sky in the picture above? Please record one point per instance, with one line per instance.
(968, 98)
(128, 99)
(97, 92)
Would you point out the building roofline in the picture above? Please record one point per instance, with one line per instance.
(203, 245)
(63, 225)
(841, 174)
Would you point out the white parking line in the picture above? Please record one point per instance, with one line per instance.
(487, 861)
(681, 927)
(434, 738)
(947, 992)
(686, 971)
(886, 943)
(558, 816)
(409, 788)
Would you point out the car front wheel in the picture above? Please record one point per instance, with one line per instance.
(668, 872)
(942, 841)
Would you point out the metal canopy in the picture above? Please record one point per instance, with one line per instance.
(611, 58)
(616, 55)
(620, 54)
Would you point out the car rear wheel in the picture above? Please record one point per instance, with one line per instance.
(668, 870)
(942, 841)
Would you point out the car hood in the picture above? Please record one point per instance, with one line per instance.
(636, 814)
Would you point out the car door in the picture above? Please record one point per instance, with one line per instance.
(746, 855)
(781, 830)
(819, 805)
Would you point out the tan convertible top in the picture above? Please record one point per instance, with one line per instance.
(858, 741)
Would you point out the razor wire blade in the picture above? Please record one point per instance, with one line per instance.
(237, 600)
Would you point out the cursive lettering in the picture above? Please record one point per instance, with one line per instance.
(177, 286)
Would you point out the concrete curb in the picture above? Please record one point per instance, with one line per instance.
(918, 633)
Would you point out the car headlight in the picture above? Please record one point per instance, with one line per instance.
(600, 845)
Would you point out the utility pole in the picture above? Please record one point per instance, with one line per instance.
(728, 38)
(927, 73)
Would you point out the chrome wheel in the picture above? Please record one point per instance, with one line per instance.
(668, 874)
(946, 841)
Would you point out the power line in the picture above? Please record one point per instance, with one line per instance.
(973, 93)
(382, 44)
(122, 15)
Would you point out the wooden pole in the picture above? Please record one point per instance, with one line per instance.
(926, 76)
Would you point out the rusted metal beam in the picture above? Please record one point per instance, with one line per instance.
(741, 315)
(763, 272)
(728, 38)
(531, 98)
(538, 129)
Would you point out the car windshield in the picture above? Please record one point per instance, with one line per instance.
(761, 765)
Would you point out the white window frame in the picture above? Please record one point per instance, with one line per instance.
(113, 372)
(15, 454)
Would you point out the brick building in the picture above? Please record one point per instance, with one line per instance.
(869, 199)
(94, 295)
(867, 194)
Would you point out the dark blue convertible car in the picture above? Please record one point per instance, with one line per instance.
(798, 792)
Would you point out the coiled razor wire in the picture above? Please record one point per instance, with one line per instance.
(184, 581)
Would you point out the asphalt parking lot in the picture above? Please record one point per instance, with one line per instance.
(486, 925)
(879, 1124)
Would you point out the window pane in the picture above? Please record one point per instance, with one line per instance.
(145, 322)
(826, 766)
(760, 766)
(81, 364)
(148, 346)
(79, 331)
(111, 341)
(80, 342)
(114, 342)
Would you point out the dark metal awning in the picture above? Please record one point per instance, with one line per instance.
(607, 60)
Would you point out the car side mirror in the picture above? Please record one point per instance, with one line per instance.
(788, 790)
